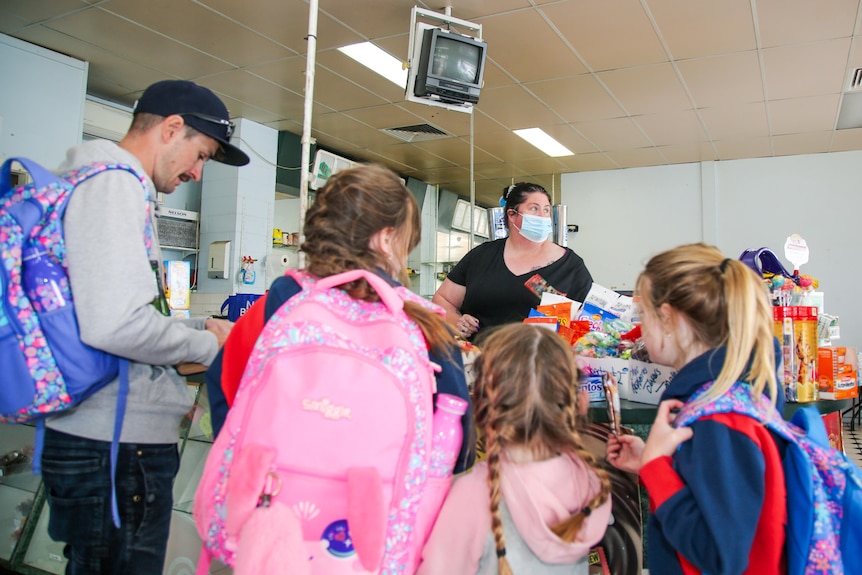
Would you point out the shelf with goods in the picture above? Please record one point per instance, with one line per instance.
(179, 237)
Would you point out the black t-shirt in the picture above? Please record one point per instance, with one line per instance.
(496, 296)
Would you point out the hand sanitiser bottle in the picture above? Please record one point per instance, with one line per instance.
(46, 284)
(447, 434)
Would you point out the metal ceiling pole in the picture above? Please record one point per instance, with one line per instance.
(472, 187)
(305, 159)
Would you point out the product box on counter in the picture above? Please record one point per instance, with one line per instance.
(638, 381)
(647, 381)
(179, 284)
(595, 367)
(837, 372)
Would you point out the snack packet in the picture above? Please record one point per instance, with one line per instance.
(609, 384)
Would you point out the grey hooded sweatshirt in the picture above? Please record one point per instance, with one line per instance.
(113, 285)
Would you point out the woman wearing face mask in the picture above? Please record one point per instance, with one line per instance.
(499, 282)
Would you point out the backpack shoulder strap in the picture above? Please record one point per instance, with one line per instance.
(79, 175)
(738, 399)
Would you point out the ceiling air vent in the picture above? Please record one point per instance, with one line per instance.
(417, 133)
(855, 79)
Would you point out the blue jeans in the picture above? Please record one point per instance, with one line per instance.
(77, 475)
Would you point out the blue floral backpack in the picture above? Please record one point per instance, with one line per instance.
(824, 488)
(46, 367)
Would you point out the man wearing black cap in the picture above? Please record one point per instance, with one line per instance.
(177, 126)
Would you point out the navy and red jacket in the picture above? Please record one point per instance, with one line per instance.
(224, 374)
(718, 506)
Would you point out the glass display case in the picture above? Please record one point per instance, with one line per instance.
(25, 546)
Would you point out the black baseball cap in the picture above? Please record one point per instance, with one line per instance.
(200, 108)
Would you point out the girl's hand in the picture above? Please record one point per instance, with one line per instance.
(664, 438)
(624, 452)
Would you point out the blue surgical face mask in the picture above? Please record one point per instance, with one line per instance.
(535, 228)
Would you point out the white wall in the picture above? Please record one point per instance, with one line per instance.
(42, 110)
(626, 216)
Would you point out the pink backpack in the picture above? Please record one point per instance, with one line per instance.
(322, 464)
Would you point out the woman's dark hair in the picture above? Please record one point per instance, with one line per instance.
(348, 211)
(515, 195)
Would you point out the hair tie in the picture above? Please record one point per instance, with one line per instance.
(723, 265)
(501, 553)
(586, 511)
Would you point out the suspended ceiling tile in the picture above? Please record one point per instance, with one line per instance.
(286, 22)
(454, 150)
(496, 170)
(722, 80)
(341, 94)
(515, 108)
(451, 122)
(607, 34)
(672, 127)
(378, 17)
(474, 10)
(845, 140)
(614, 134)
(507, 145)
(799, 115)
(495, 77)
(339, 126)
(11, 24)
(109, 76)
(647, 89)
(287, 72)
(24, 12)
(736, 122)
(139, 45)
(737, 149)
(589, 162)
(577, 99)
(806, 69)
(803, 143)
(533, 50)
(637, 157)
(334, 63)
(568, 135)
(245, 87)
(688, 153)
(539, 166)
(796, 21)
(412, 156)
(193, 24)
(386, 116)
(696, 29)
(451, 174)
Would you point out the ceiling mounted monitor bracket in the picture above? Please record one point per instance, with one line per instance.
(417, 29)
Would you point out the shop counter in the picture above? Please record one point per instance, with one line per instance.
(634, 413)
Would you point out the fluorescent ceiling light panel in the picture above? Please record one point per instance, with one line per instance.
(544, 142)
(377, 60)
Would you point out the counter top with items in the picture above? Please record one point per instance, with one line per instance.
(604, 332)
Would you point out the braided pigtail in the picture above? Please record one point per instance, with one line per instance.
(492, 445)
(568, 529)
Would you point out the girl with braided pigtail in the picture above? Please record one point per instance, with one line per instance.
(539, 501)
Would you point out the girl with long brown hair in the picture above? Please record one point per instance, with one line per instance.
(540, 500)
(363, 218)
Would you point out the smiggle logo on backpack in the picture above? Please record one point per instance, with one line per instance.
(326, 408)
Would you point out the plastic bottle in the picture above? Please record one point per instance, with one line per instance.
(447, 434)
(45, 282)
(160, 301)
